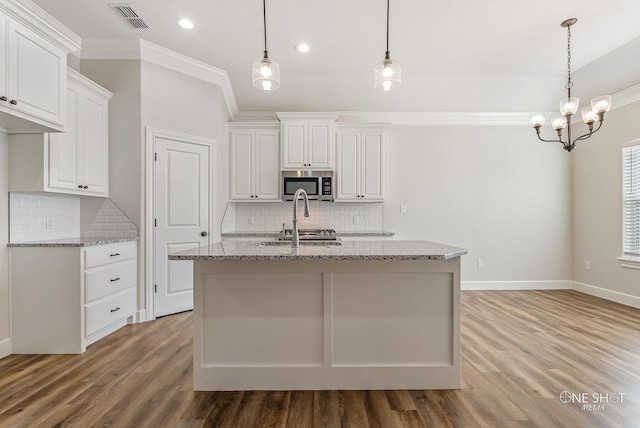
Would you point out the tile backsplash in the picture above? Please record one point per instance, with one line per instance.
(268, 217)
(42, 217)
(38, 217)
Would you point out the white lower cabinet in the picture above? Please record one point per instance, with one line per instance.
(76, 296)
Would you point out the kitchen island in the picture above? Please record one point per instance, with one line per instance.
(341, 315)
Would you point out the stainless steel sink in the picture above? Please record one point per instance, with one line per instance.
(316, 243)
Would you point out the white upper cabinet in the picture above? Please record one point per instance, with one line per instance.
(308, 141)
(360, 163)
(33, 79)
(75, 161)
(255, 166)
(78, 158)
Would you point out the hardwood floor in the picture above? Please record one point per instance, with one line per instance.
(520, 350)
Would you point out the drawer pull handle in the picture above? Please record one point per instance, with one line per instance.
(114, 254)
(116, 309)
(114, 279)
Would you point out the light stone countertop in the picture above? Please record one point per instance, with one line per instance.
(71, 242)
(351, 250)
(275, 234)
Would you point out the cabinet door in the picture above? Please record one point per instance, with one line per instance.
(3, 54)
(267, 173)
(37, 75)
(372, 166)
(320, 146)
(241, 165)
(64, 163)
(294, 156)
(348, 166)
(95, 145)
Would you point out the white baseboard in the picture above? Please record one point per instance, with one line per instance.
(516, 285)
(140, 316)
(5, 348)
(614, 296)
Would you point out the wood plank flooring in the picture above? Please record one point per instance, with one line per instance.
(520, 351)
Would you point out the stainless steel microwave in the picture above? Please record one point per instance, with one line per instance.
(319, 185)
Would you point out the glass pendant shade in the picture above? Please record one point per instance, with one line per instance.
(588, 115)
(569, 105)
(559, 122)
(266, 74)
(601, 104)
(537, 119)
(387, 74)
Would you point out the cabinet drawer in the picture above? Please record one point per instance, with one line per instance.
(111, 253)
(104, 312)
(102, 281)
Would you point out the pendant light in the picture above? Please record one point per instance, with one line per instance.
(387, 73)
(266, 73)
(569, 106)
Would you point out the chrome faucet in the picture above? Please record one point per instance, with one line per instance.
(295, 236)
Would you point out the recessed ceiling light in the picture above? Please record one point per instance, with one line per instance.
(185, 23)
(302, 47)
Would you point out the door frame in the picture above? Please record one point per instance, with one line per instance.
(149, 239)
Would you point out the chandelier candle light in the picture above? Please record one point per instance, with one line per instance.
(388, 73)
(266, 73)
(568, 107)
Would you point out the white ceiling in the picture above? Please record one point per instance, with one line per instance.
(464, 55)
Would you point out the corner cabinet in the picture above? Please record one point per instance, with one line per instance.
(76, 296)
(360, 163)
(78, 158)
(74, 162)
(33, 80)
(255, 167)
(308, 141)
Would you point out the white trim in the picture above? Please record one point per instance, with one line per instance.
(140, 316)
(45, 25)
(629, 262)
(439, 118)
(140, 49)
(625, 97)
(5, 348)
(150, 137)
(614, 296)
(517, 285)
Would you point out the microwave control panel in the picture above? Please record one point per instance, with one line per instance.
(326, 186)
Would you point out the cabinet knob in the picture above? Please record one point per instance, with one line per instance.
(203, 233)
(3, 98)
(79, 186)
(85, 187)
(13, 102)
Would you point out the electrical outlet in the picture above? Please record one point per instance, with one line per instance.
(403, 208)
(587, 265)
(49, 223)
(479, 263)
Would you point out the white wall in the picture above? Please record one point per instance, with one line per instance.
(148, 95)
(597, 207)
(495, 190)
(4, 251)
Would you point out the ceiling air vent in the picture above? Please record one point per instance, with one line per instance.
(129, 14)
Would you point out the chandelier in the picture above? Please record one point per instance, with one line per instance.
(387, 73)
(265, 72)
(569, 106)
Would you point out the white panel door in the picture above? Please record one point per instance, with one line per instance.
(181, 187)
(64, 163)
(348, 164)
(320, 146)
(242, 165)
(294, 146)
(95, 150)
(372, 166)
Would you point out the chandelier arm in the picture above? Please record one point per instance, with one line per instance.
(588, 134)
(550, 141)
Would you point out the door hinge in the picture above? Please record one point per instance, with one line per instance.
(155, 156)
(155, 222)
(155, 288)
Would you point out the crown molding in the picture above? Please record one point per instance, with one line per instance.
(625, 97)
(36, 19)
(438, 118)
(140, 49)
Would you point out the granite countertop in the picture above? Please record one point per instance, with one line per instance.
(71, 242)
(352, 250)
(275, 234)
